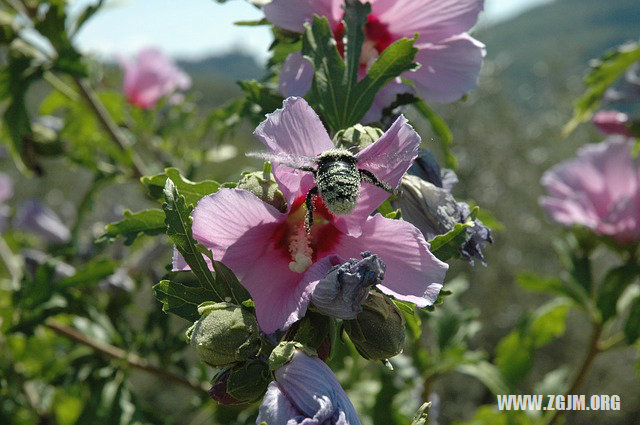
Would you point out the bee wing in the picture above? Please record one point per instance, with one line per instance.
(290, 160)
(383, 160)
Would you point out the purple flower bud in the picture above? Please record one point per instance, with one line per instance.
(612, 122)
(341, 293)
(306, 392)
(435, 211)
(37, 218)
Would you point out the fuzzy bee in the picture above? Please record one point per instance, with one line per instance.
(337, 177)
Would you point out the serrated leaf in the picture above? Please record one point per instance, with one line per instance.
(182, 300)
(224, 286)
(340, 100)
(632, 325)
(604, 73)
(192, 191)
(614, 284)
(148, 222)
(178, 222)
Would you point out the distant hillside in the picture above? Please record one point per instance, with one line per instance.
(560, 37)
(215, 76)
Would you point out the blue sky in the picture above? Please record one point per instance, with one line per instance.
(194, 28)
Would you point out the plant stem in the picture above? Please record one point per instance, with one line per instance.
(594, 350)
(131, 359)
(111, 128)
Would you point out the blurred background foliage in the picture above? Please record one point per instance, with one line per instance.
(130, 363)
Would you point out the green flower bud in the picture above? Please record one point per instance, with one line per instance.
(284, 351)
(263, 185)
(225, 334)
(243, 383)
(378, 332)
(358, 136)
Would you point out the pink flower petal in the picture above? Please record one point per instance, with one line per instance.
(151, 77)
(434, 20)
(385, 97)
(598, 189)
(292, 14)
(294, 130)
(388, 159)
(296, 76)
(449, 69)
(413, 273)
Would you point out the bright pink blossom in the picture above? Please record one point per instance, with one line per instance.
(151, 77)
(599, 189)
(612, 122)
(450, 59)
(274, 256)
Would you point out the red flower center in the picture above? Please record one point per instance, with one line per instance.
(303, 248)
(376, 33)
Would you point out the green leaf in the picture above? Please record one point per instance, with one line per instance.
(554, 285)
(448, 245)
(603, 74)
(334, 94)
(514, 357)
(614, 284)
(178, 222)
(181, 299)
(486, 373)
(148, 222)
(191, 191)
(549, 321)
(355, 17)
(441, 129)
(89, 274)
(16, 77)
(632, 325)
(224, 286)
(412, 318)
(86, 15)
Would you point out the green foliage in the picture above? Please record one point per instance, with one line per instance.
(604, 73)
(336, 93)
(191, 191)
(441, 129)
(448, 245)
(632, 325)
(148, 222)
(613, 285)
(223, 284)
(515, 352)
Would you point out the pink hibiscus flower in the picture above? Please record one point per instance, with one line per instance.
(272, 253)
(599, 189)
(450, 58)
(151, 77)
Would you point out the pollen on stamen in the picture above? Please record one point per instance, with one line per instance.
(300, 249)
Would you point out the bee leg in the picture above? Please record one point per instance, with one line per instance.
(369, 177)
(309, 204)
(306, 168)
